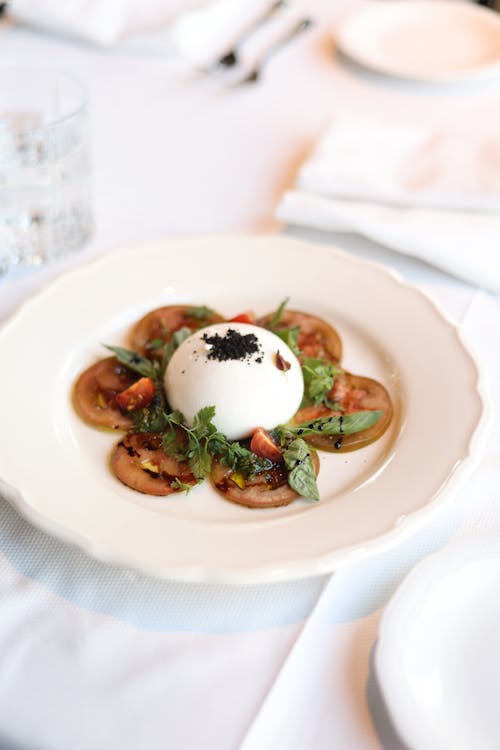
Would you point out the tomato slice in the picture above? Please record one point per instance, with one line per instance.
(317, 338)
(140, 462)
(96, 391)
(270, 489)
(156, 328)
(354, 393)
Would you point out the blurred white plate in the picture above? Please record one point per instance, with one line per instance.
(57, 465)
(427, 40)
(438, 654)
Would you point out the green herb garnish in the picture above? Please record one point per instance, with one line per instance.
(172, 344)
(276, 319)
(319, 375)
(178, 484)
(291, 338)
(135, 361)
(148, 368)
(345, 424)
(155, 344)
(202, 312)
(151, 419)
(301, 476)
(239, 458)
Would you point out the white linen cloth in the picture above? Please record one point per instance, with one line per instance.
(433, 194)
(92, 656)
(100, 21)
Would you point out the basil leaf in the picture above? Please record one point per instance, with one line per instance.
(345, 424)
(291, 338)
(134, 361)
(172, 344)
(276, 319)
(301, 476)
(202, 312)
(155, 344)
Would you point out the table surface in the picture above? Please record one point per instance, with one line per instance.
(95, 656)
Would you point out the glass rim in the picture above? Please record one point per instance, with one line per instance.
(57, 73)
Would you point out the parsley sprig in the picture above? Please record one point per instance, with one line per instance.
(200, 443)
(205, 442)
(319, 376)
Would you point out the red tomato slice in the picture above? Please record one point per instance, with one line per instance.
(140, 462)
(267, 490)
(354, 393)
(137, 396)
(156, 328)
(317, 338)
(96, 391)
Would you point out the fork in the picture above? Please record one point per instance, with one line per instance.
(231, 58)
(255, 74)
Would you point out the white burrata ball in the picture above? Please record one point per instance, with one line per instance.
(240, 369)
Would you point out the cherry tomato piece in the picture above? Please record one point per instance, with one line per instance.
(137, 396)
(246, 317)
(263, 445)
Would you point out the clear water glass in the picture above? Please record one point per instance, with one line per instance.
(45, 197)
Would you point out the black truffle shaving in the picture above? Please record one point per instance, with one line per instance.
(233, 345)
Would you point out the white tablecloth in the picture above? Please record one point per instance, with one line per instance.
(96, 657)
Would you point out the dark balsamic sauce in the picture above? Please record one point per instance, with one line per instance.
(338, 443)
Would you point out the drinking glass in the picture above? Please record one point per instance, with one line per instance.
(45, 206)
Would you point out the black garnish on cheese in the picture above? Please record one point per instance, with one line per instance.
(233, 345)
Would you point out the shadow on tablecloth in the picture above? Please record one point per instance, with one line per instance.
(143, 600)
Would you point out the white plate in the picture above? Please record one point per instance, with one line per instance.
(438, 654)
(392, 332)
(427, 40)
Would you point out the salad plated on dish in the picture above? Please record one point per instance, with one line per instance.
(245, 403)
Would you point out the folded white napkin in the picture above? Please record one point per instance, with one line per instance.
(202, 31)
(431, 194)
(100, 21)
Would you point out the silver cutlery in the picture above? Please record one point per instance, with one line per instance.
(255, 74)
(231, 58)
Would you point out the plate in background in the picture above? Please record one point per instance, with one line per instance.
(438, 653)
(426, 40)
